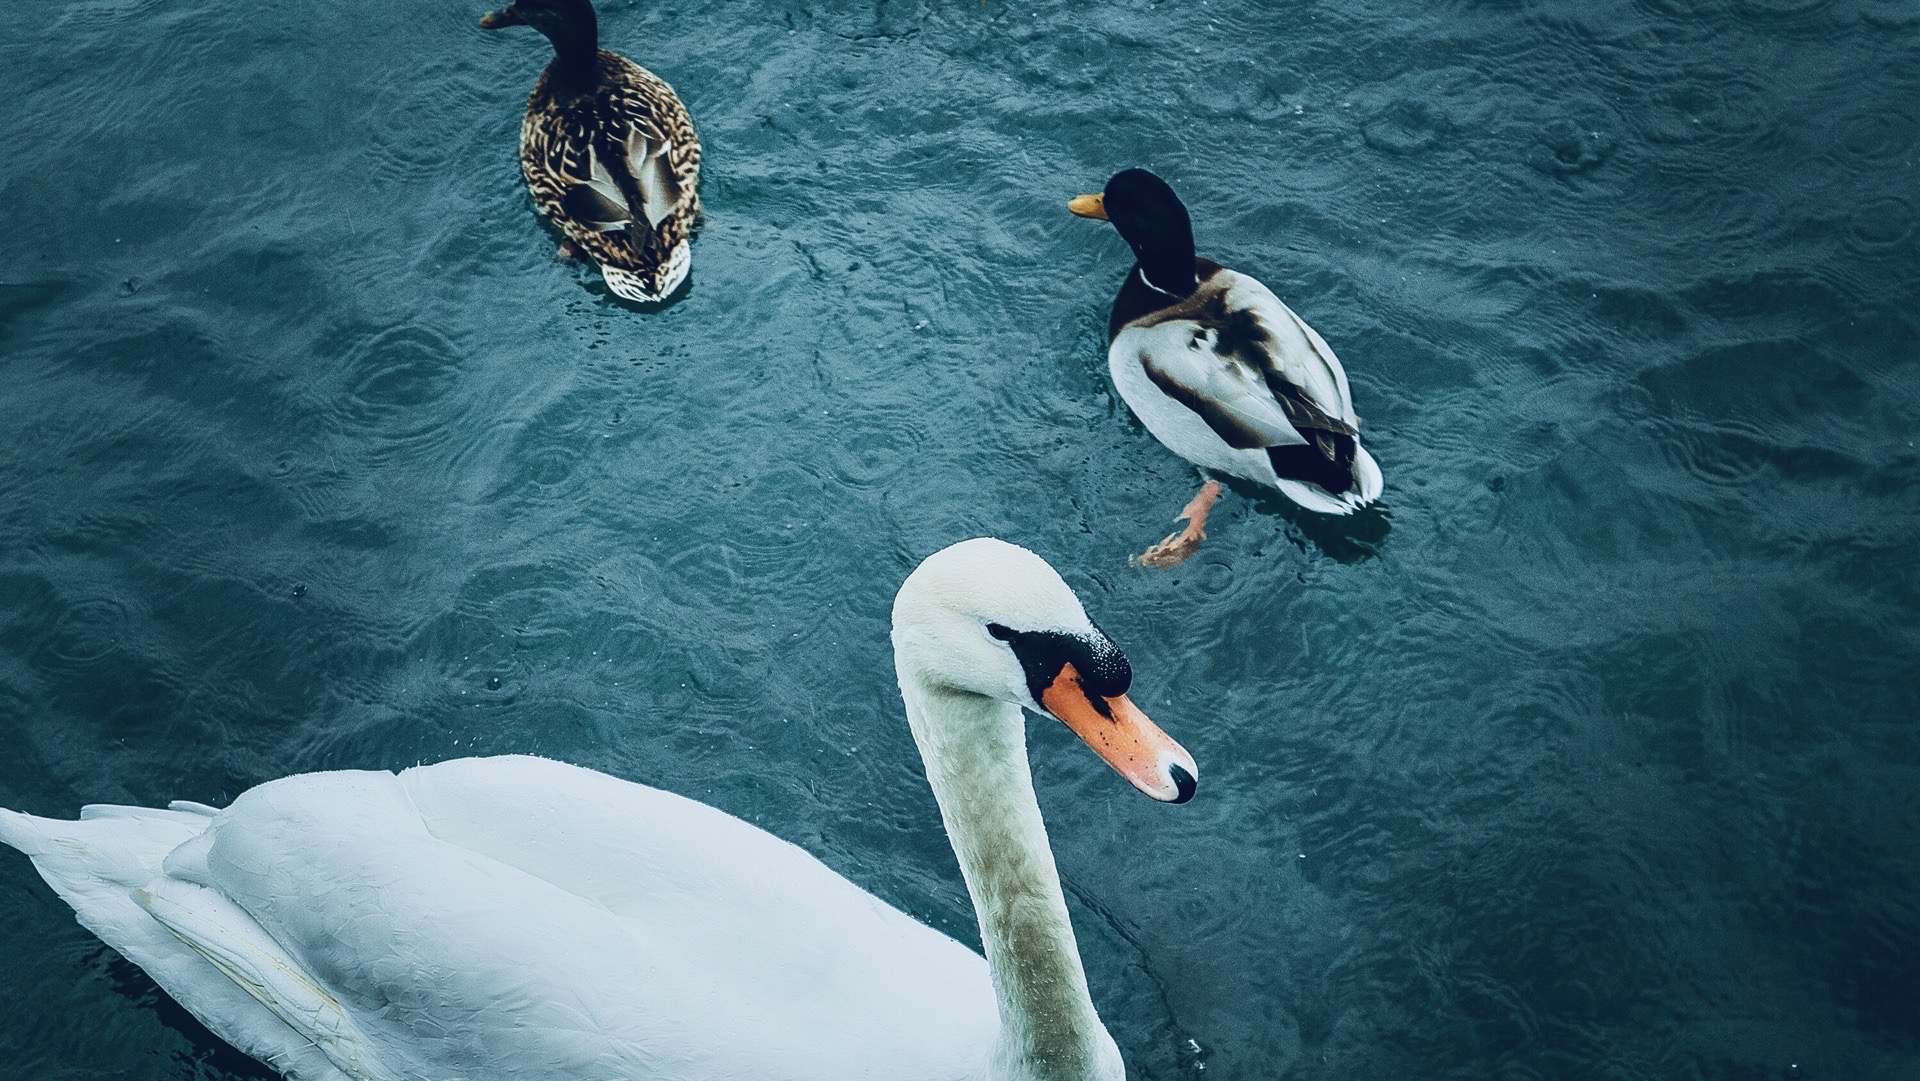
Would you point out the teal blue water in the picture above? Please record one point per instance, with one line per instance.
(1591, 754)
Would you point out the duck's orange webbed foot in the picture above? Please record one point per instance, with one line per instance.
(1176, 547)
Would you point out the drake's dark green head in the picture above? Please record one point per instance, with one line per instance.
(1154, 223)
(569, 24)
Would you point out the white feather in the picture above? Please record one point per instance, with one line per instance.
(652, 171)
(223, 933)
(601, 181)
(507, 918)
(95, 866)
(1184, 352)
(1295, 350)
(1172, 423)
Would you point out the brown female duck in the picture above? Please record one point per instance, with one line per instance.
(609, 153)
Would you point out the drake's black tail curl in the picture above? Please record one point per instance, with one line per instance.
(1307, 461)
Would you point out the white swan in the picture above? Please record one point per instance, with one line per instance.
(517, 918)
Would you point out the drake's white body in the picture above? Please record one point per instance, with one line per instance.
(1183, 349)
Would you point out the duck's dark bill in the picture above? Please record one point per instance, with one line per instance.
(494, 20)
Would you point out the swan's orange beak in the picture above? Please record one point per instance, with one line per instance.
(1118, 732)
(1089, 206)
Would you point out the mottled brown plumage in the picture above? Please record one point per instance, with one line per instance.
(609, 153)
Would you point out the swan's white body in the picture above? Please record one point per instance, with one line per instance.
(515, 918)
(1184, 352)
(518, 918)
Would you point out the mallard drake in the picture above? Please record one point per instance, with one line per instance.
(1221, 371)
(609, 152)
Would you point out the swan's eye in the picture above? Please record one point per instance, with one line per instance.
(1005, 634)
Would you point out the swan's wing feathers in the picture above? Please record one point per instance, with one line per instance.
(450, 964)
(763, 917)
(230, 940)
(514, 918)
(547, 921)
(97, 866)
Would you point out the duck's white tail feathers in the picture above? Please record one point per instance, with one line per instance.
(629, 285)
(103, 865)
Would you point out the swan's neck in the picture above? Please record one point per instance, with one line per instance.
(975, 751)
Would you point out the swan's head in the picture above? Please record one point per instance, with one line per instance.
(990, 618)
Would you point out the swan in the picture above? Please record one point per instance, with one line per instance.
(1222, 372)
(520, 918)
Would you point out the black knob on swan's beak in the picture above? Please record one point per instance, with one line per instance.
(1183, 782)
